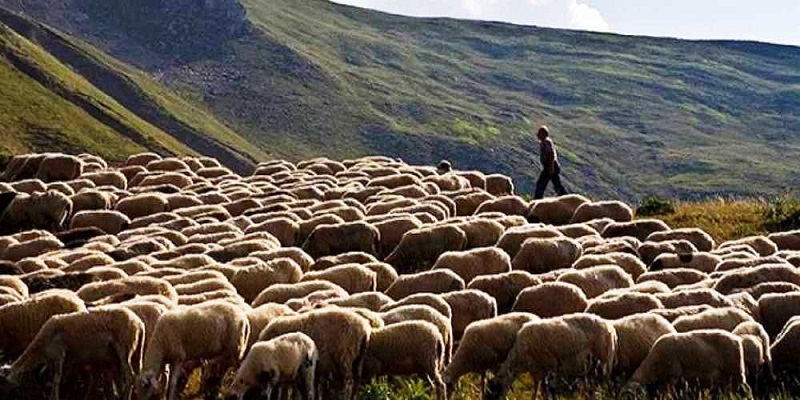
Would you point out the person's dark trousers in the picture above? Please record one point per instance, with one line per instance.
(544, 178)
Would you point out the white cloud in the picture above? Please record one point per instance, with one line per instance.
(574, 14)
(585, 17)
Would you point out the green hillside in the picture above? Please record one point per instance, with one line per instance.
(60, 94)
(298, 78)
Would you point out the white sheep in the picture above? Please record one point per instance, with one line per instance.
(341, 337)
(569, 346)
(212, 331)
(104, 336)
(484, 346)
(710, 358)
(287, 361)
(407, 348)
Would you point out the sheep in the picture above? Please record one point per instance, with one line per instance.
(786, 240)
(15, 285)
(484, 346)
(420, 248)
(648, 251)
(622, 305)
(281, 293)
(577, 231)
(761, 289)
(385, 275)
(392, 230)
(481, 232)
(701, 261)
(640, 229)
(504, 287)
(106, 336)
(474, 263)
(595, 281)
(673, 277)
(699, 238)
(407, 348)
(288, 360)
(467, 204)
(252, 280)
(753, 276)
(107, 178)
(422, 312)
(110, 222)
(569, 346)
(215, 330)
(327, 240)
(286, 230)
(202, 286)
(785, 348)
(756, 345)
(694, 297)
(508, 205)
(303, 260)
(353, 257)
(544, 255)
(434, 301)
(341, 337)
(468, 306)
(59, 167)
(551, 299)
(636, 335)
(760, 244)
(499, 185)
(353, 278)
(557, 210)
(135, 285)
(22, 320)
(142, 159)
(775, 310)
(32, 248)
(435, 281)
(710, 358)
(719, 318)
(730, 264)
(242, 247)
(372, 301)
(628, 262)
(616, 211)
(47, 210)
(513, 237)
(671, 314)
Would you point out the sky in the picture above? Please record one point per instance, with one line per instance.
(772, 21)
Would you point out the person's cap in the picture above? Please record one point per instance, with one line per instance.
(444, 164)
(543, 129)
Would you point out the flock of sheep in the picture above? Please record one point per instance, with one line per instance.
(313, 278)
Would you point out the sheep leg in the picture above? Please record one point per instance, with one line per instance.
(305, 385)
(125, 378)
(174, 377)
(59, 371)
(483, 383)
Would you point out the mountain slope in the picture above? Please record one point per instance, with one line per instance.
(298, 78)
(47, 76)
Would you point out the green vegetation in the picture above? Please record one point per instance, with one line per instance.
(297, 78)
(654, 205)
(782, 213)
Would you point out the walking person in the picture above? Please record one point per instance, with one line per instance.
(551, 171)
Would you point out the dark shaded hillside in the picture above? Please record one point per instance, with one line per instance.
(299, 78)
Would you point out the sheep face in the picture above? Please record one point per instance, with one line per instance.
(249, 380)
(150, 385)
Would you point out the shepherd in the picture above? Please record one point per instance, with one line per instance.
(551, 170)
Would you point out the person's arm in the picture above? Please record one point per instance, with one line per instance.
(549, 158)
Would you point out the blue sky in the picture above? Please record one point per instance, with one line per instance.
(774, 21)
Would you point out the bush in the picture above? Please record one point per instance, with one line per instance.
(654, 205)
(782, 213)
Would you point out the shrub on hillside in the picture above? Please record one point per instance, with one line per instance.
(654, 205)
(782, 213)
